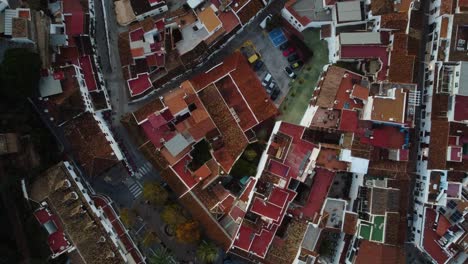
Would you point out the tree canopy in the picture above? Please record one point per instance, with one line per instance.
(173, 215)
(155, 193)
(19, 75)
(188, 232)
(161, 256)
(207, 252)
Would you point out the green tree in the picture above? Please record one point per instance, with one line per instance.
(155, 193)
(19, 75)
(127, 217)
(207, 252)
(188, 232)
(250, 154)
(173, 215)
(161, 256)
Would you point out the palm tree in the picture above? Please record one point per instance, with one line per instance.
(161, 256)
(207, 252)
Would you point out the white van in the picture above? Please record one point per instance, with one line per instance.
(266, 79)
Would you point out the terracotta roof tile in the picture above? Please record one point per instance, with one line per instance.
(444, 27)
(438, 148)
(233, 138)
(447, 7)
(330, 86)
(325, 31)
(350, 223)
(392, 225)
(371, 252)
(93, 151)
(124, 49)
(380, 7)
(249, 10)
(148, 109)
(396, 21)
(401, 64)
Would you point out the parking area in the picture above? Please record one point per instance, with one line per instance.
(274, 62)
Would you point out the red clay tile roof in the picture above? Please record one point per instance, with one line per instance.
(402, 64)
(93, 151)
(438, 148)
(392, 226)
(229, 20)
(124, 49)
(251, 88)
(329, 87)
(448, 7)
(245, 79)
(202, 172)
(430, 244)
(380, 7)
(229, 64)
(396, 21)
(350, 223)
(371, 252)
(234, 100)
(325, 31)
(302, 19)
(150, 108)
(360, 92)
(249, 10)
(444, 27)
(233, 137)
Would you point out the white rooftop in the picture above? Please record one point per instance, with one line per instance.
(360, 38)
(49, 86)
(349, 11)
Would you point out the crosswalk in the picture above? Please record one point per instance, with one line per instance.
(143, 170)
(136, 190)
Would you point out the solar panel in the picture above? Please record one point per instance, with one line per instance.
(452, 204)
(455, 216)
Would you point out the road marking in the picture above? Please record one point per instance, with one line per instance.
(136, 190)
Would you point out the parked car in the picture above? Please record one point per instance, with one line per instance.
(293, 57)
(288, 51)
(266, 80)
(258, 65)
(270, 88)
(275, 94)
(290, 72)
(284, 46)
(297, 64)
